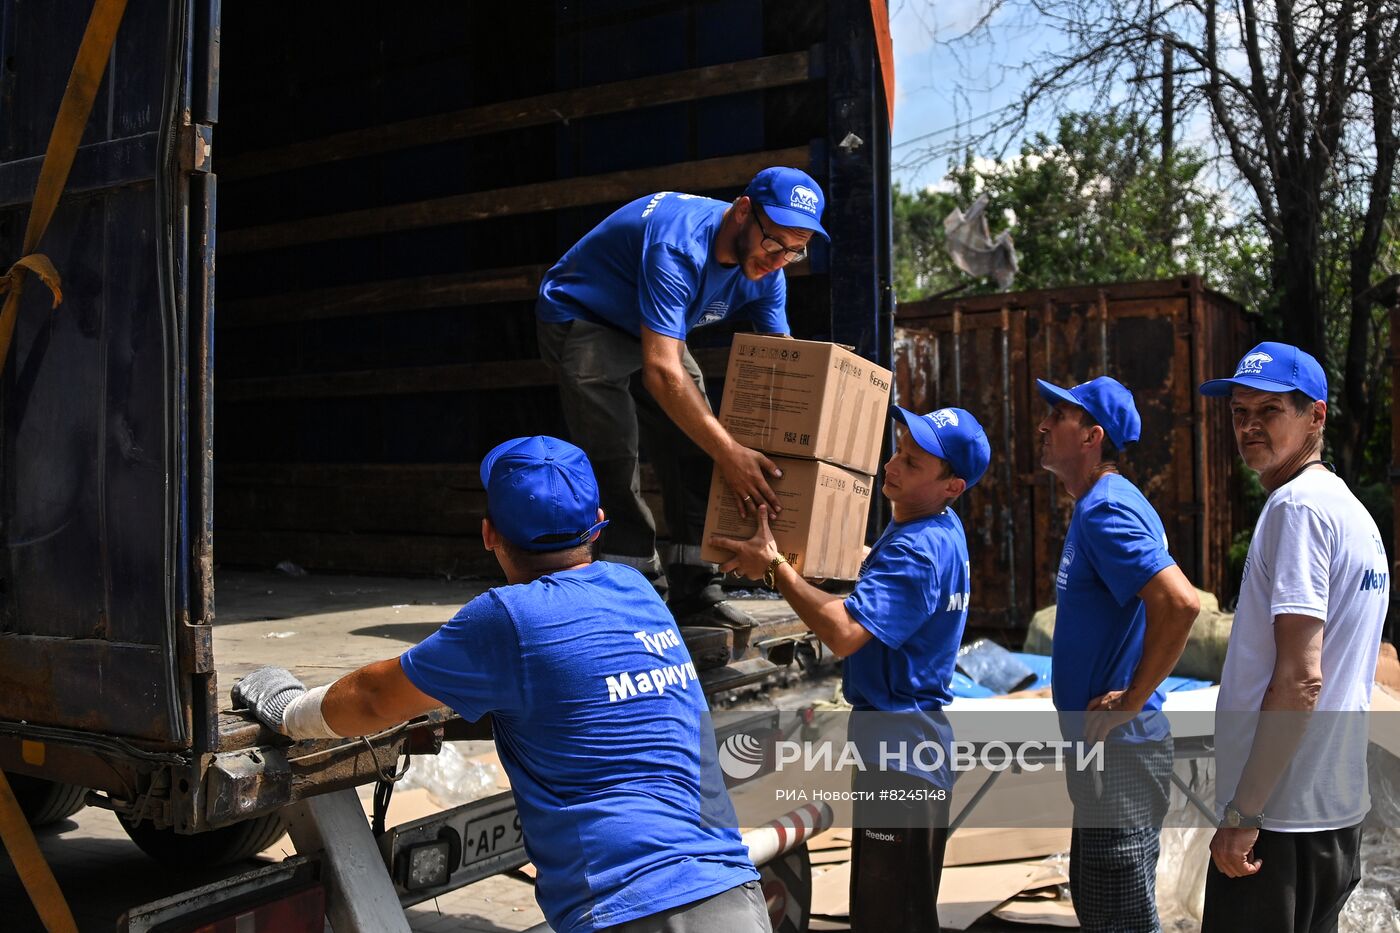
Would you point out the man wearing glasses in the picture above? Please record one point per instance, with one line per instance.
(613, 317)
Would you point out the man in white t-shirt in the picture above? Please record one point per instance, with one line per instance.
(1290, 722)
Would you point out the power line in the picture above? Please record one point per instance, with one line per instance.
(955, 126)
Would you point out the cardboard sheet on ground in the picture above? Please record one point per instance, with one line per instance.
(1045, 912)
(970, 892)
(831, 891)
(965, 894)
(979, 844)
(830, 856)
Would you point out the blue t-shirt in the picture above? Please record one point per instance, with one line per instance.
(1115, 544)
(601, 726)
(912, 597)
(650, 263)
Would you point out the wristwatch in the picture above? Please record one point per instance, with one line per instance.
(770, 576)
(1234, 819)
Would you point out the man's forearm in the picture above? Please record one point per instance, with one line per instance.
(1162, 644)
(1172, 606)
(1284, 716)
(680, 398)
(824, 613)
(1285, 711)
(372, 699)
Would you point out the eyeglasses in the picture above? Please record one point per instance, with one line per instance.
(773, 246)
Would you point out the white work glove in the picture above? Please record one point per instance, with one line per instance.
(267, 692)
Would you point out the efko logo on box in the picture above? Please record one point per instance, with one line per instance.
(742, 756)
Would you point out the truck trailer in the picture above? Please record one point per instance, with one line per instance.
(299, 247)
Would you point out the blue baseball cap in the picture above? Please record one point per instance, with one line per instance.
(1108, 400)
(1274, 367)
(790, 197)
(541, 493)
(954, 435)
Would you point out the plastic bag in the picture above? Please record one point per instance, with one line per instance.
(450, 777)
(995, 668)
(973, 249)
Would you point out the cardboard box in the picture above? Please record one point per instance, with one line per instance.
(821, 528)
(805, 398)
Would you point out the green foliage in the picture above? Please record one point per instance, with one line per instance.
(921, 263)
(1092, 204)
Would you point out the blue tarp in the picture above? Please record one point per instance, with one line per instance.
(963, 686)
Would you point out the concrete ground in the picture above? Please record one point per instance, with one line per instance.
(102, 874)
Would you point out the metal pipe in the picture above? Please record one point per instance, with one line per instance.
(1007, 455)
(787, 832)
(976, 799)
(957, 356)
(1103, 332)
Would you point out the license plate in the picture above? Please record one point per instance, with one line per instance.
(491, 835)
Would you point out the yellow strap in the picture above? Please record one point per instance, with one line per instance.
(40, 265)
(29, 862)
(93, 53)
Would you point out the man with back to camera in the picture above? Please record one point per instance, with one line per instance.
(1307, 627)
(613, 317)
(1124, 612)
(597, 716)
(899, 633)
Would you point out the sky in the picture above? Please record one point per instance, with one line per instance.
(943, 91)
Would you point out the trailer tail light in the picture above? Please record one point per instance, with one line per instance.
(302, 911)
(427, 866)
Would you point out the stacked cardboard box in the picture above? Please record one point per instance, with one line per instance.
(819, 411)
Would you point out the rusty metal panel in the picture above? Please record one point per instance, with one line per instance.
(1161, 339)
(1223, 335)
(976, 362)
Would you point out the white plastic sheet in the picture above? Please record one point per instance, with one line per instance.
(974, 251)
(451, 778)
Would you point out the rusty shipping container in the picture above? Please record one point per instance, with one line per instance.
(1161, 339)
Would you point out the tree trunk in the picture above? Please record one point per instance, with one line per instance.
(1296, 284)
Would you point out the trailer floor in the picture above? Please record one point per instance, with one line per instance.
(321, 626)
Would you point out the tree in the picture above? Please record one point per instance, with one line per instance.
(921, 264)
(1092, 204)
(1302, 96)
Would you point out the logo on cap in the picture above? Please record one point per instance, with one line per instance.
(944, 417)
(1253, 364)
(804, 199)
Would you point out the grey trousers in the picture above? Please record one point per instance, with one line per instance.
(741, 909)
(611, 416)
(1114, 845)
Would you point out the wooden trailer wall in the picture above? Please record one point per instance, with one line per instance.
(1160, 339)
(393, 179)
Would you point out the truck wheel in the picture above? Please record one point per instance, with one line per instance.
(44, 802)
(208, 849)
(787, 887)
